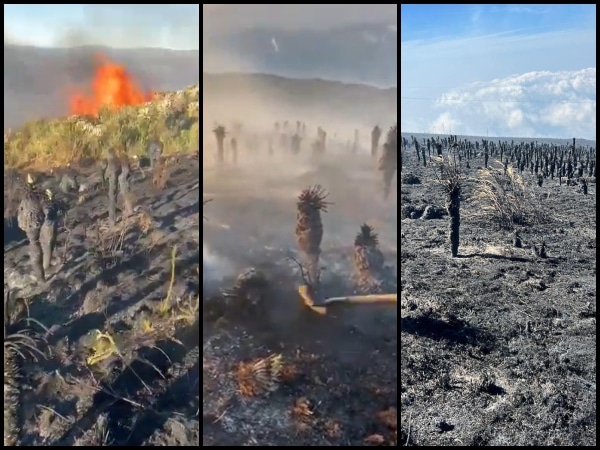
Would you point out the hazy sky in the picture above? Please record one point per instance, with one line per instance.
(510, 70)
(236, 17)
(173, 26)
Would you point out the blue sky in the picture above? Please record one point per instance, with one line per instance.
(518, 70)
(173, 26)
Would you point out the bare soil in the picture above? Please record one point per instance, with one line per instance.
(498, 345)
(339, 377)
(147, 394)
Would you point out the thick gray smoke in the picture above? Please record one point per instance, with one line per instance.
(352, 43)
(225, 19)
(37, 80)
(215, 267)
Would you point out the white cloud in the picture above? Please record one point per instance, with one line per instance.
(540, 104)
(515, 119)
(522, 9)
(453, 75)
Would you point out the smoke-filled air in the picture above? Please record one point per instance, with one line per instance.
(299, 157)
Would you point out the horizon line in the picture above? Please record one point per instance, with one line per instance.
(69, 47)
(301, 78)
(496, 137)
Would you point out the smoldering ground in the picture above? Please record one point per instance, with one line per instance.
(499, 343)
(250, 223)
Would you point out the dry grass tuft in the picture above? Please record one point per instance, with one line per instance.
(174, 117)
(303, 414)
(389, 418)
(260, 376)
(505, 199)
(102, 348)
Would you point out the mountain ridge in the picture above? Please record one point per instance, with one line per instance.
(356, 53)
(265, 96)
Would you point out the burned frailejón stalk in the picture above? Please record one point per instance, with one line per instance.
(309, 227)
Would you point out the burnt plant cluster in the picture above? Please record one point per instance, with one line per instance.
(569, 162)
(368, 260)
(234, 141)
(503, 194)
(388, 162)
(311, 203)
(450, 178)
(114, 247)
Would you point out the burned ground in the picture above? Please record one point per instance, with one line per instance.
(338, 376)
(498, 345)
(144, 390)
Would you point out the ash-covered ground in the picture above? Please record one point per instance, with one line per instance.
(112, 280)
(338, 383)
(498, 344)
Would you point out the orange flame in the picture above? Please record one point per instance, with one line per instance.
(112, 87)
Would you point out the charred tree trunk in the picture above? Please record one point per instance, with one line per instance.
(453, 206)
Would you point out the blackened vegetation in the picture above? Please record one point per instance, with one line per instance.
(220, 133)
(204, 202)
(116, 171)
(388, 162)
(336, 377)
(117, 282)
(375, 136)
(498, 344)
(309, 228)
(22, 341)
(31, 218)
(368, 260)
(450, 178)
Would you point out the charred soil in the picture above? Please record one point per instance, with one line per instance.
(498, 344)
(336, 380)
(122, 339)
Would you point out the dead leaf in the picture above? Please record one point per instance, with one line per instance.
(375, 439)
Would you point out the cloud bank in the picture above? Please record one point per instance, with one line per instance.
(559, 103)
(534, 84)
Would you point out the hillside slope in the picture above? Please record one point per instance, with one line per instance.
(254, 97)
(118, 309)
